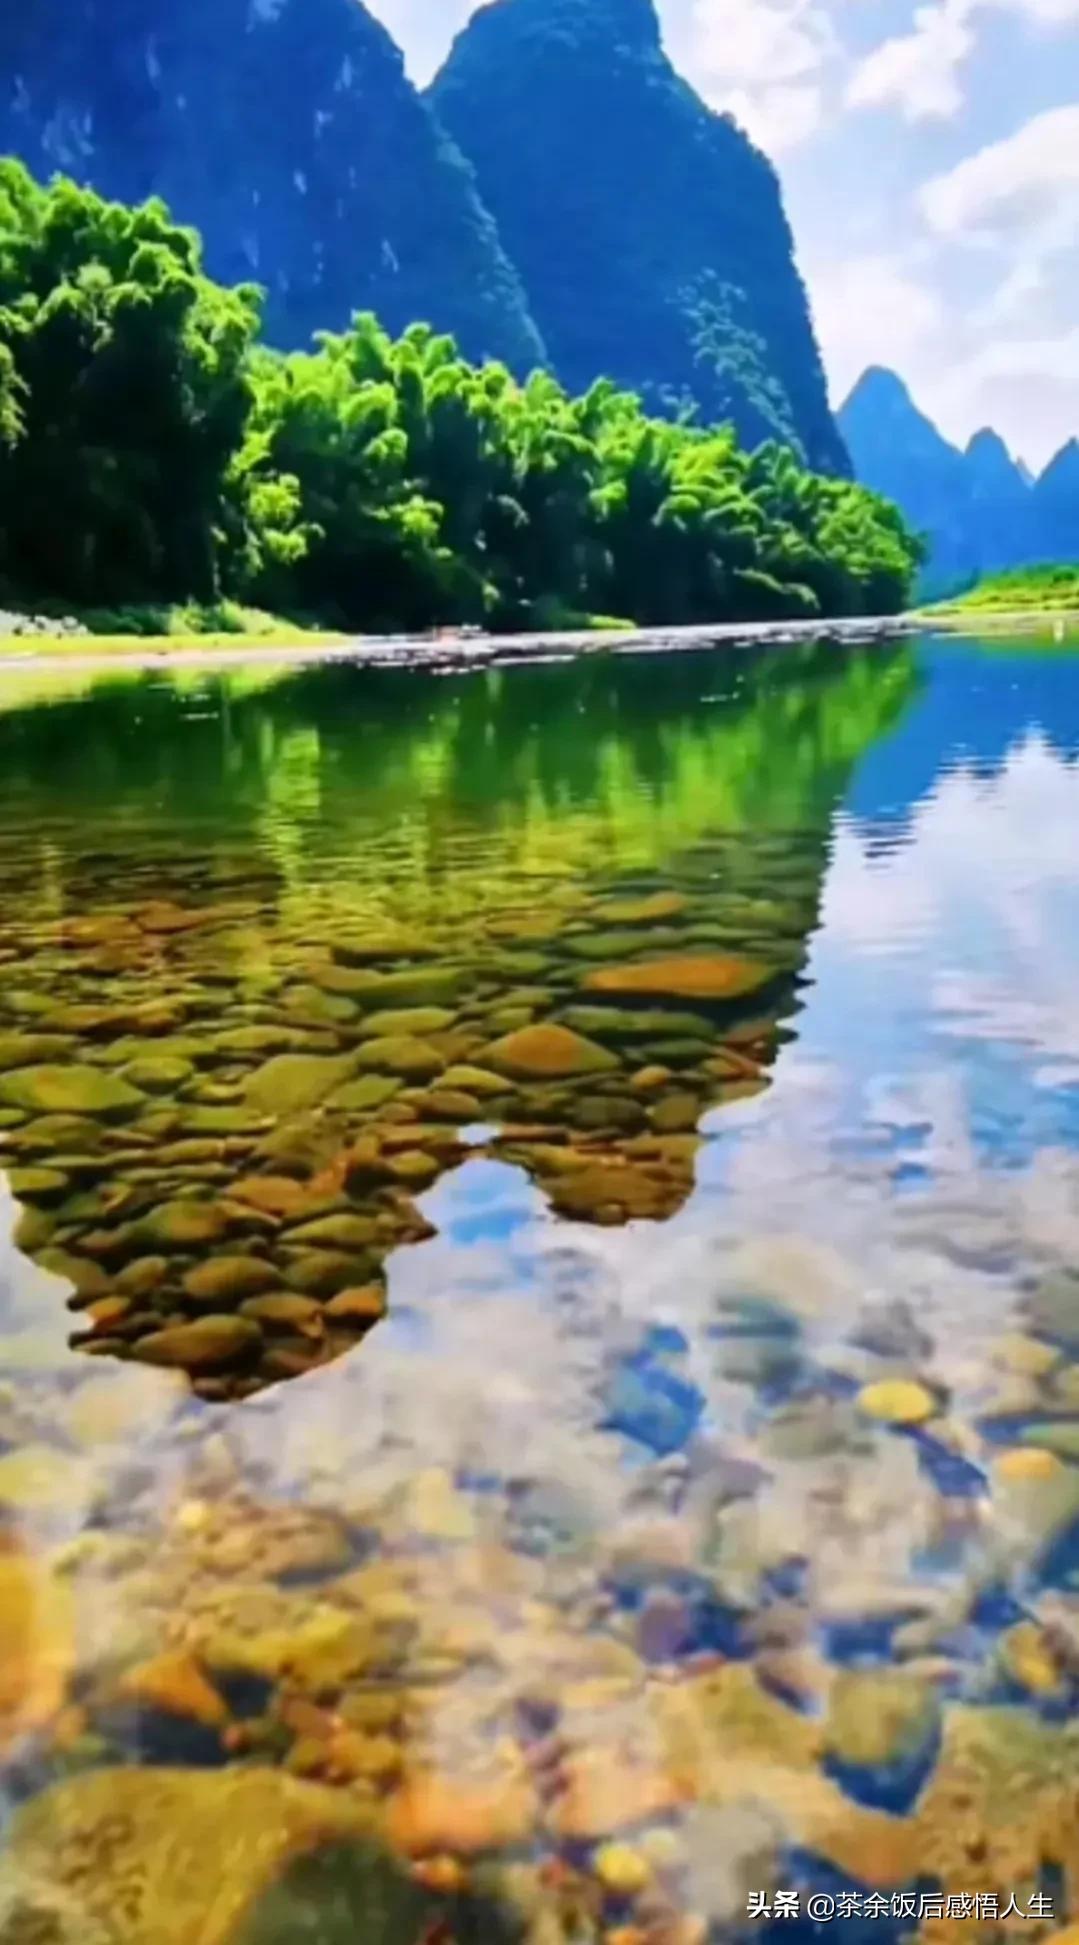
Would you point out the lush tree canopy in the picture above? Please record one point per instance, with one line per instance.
(150, 448)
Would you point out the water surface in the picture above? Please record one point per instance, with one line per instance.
(539, 1318)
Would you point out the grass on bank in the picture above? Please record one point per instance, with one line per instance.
(180, 627)
(1052, 589)
(172, 628)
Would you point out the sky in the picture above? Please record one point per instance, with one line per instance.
(929, 155)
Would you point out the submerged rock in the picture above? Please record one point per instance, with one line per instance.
(290, 1083)
(649, 909)
(147, 1856)
(897, 1401)
(548, 1052)
(210, 1344)
(24, 1049)
(225, 1279)
(37, 1645)
(71, 1089)
(401, 1054)
(458, 1814)
(881, 1735)
(703, 976)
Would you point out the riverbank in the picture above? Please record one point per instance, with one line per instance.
(1037, 593)
(88, 653)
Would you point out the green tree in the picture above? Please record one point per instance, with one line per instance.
(123, 396)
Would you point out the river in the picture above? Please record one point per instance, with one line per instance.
(539, 1324)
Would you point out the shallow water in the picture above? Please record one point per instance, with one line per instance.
(542, 1323)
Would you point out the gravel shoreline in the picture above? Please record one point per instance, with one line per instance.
(452, 651)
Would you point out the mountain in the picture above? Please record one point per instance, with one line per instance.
(287, 132)
(649, 233)
(981, 510)
(1056, 499)
(1002, 516)
(898, 451)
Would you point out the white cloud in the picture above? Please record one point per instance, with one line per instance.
(873, 308)
(918, 73)
(999, 191)
(776, 119)
(761, 60)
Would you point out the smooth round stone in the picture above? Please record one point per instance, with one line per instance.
(210, 1344)
(548, 1052)
(37, 1184)
(603, 1111)
(449, 1104)
(897, 1401)
(704, 976)
(401, 1054)
(358, 1306)
(341, 1231)
(383, 942)
(364, 1094)
(226, 1279)
(676, 1113)
(413, 1169)
(621, 1869)
(26, 1049)
(141, 1277)
(474, 1080)
(284, 1310)
(323, 1272)
(71, 1089)
(328, 1009)
(1026, 1463)
(183, 1225)
(291, 1083)
(158, 1076)
(415, 1021)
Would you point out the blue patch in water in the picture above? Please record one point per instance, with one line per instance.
(952, 1475)
(785, 1582)
(709, 1625)
(1060, 1563)
(652, 1406)
(996, 1609)
(864, 1640)
(891, 1786)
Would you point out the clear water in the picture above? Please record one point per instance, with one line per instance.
(709, 1487)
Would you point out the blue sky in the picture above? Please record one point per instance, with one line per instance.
(930, 159)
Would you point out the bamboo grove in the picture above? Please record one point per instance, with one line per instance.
(152, 448)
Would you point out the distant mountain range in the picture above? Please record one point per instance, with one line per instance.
(981, 510)
(559, 197)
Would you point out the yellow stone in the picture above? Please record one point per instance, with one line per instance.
(175, 1684)
(1028, 1659)
(434, 1814)
(36, 1646)
(548, 1052)
(621, 1869)
(700, 976)
(647, 1079)
(435, 1510)
(897, 1401)
(1026, 1462)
